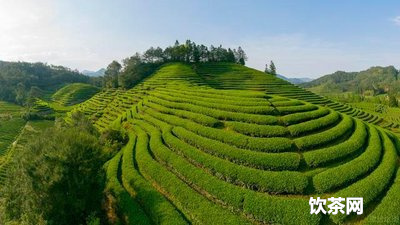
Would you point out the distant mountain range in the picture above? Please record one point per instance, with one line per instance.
(375, 80)
(97, 73)
(295, 80)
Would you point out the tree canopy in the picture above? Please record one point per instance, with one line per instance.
(20, 79)
(139, 66)
(57, 176)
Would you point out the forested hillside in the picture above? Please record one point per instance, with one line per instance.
(20, 81)
(375, 80)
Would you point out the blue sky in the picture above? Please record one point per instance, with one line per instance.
(304, 38)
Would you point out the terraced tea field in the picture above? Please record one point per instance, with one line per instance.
(74, 93)
(232, 76)
(11, 125)
(221, 145)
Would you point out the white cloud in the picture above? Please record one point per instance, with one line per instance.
(396, 20)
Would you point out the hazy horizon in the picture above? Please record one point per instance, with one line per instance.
(304, 38)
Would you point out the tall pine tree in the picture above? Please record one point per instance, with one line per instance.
(272, 68)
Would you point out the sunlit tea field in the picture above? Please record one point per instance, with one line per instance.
(225, 144)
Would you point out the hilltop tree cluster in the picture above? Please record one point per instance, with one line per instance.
(135, 68)
(271, 69)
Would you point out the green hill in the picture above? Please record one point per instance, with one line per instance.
(375, 80)
(220, 143)
(21, 80)
(75, 93)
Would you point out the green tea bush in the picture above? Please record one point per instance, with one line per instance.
(277, 144)
(216, 113)
(371, 186)
(295, 118)
(287, 103)
(313, 125)
(290, 182)
(279, 210)
(160, 210)
(196, 117)
(226, 100)
(388, 209)
(324, 137)
(210, 104)
(283, 110)
(263, 207)
(131, 210)
(270, 161)
(349, 172)
(329, 154)
(194, 205)
(267, 181)
(225, 93)
(258, 130)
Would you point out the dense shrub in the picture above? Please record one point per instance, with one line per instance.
(324, 137)
(159, 209)
(371, 186)
(329, 154)
(188, 200)
(196, 117)
(286, 102)
(263, 207)
(291, 182)
(220, 99)
(216, 113)
(128, 207)
(284, 110)
(60, 160)
(302, 116)
(209, 103)
(223, 94)
(258, 130)
(349, 172)
(276, 144)
(388, 209)
(272, 161)
(112, 140)
(270, 181)
(314, 125)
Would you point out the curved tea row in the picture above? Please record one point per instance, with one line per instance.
(253, 157)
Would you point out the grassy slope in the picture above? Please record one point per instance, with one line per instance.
(26, 133)
(374, 77)
(204, 144)
(11, 125)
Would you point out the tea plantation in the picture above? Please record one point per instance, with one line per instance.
(11, 125)
(221, 143)
(74, 93)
